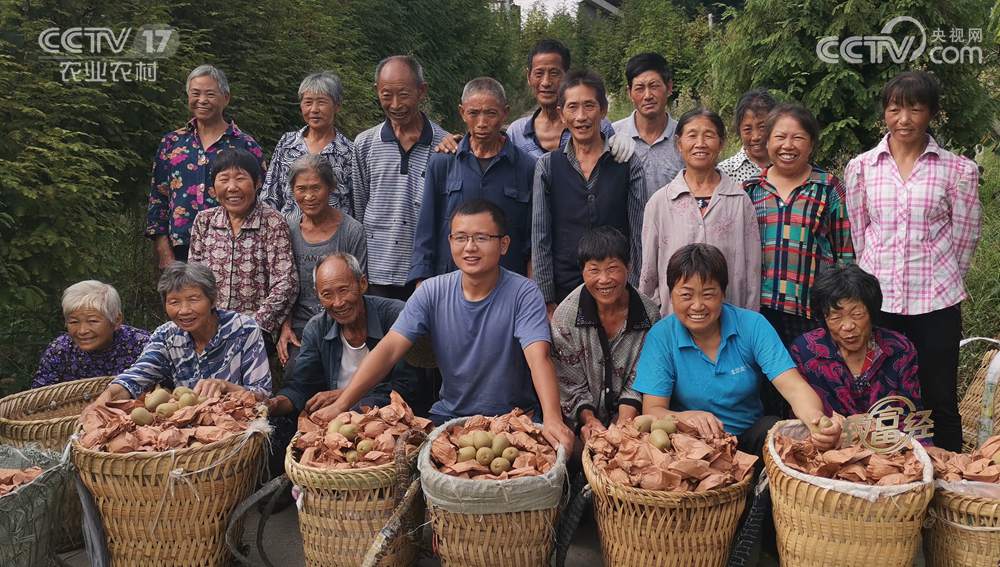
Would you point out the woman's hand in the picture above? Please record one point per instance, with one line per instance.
(706, 423)
(214, 388)
(590, 427)
(286, 337)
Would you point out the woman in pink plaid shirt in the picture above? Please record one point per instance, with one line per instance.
(915, 212)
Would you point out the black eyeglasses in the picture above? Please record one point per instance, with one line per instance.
(479, 238)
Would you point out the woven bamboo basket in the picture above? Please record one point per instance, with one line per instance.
(641, 527)
(171, 508)
(47, 417)
(27, 514)
(964, 531)
(343, 511)
(972, 410)
(822, 527)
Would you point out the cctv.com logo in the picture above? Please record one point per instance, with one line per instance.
(884, 47)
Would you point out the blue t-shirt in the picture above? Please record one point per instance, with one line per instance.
(479, 345)
(672, 365)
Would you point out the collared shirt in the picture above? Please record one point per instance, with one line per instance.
(454, 179)
(892, 372)
(673, 366)
(595, 370)
(541, 216)
(235, 354)
(916, 236)
(255, 269)
(388, 191)
(660, 160)
(673, 220)
(799, 237)
(180, 188)
(318, 364)
(276, 191)
(522, 133)
(739, 166)
(63, 361)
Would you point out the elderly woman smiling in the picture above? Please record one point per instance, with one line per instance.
(210, 350)
(95, 343)
(320, 97)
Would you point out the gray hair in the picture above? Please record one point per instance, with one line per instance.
(485, 85)
(208, 71)
(415, 67)
(352, 263)
(179, 275)
(92, 294)
(324, 82)
(316, 163)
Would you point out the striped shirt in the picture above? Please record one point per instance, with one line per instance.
(799, 237)
(522, 133)
(916, 236)
(276, 191)
(235, 354)
(388, 192)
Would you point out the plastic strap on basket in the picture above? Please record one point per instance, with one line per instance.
(985, 427)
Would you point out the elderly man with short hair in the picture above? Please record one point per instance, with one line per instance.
(388, 173)
(487, 166)
(320, 98)
(180, 185)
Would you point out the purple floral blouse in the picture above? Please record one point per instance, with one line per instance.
(892, 372)
(62, 361)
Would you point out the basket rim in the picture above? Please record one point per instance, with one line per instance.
(952, 495)
(51, 387)
(291, 459)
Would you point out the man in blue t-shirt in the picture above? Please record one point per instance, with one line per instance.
(488, 328)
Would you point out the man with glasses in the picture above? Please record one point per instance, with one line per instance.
(487, 327)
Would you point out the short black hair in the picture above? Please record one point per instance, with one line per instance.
(602, 243)
(586, 78)
(838, 283)
(756, 101)
(801, 114)
(713, 117)
(477, 206)
(913, 87)
(698, 259)
(236, 158)
(649, 61)
(549, 45)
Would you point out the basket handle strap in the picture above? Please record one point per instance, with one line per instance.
(985, 426)
(233, 541)
(404, 473)
(397, 523)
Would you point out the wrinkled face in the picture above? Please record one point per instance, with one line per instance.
(476, 243)
(399, 94)
(483, 116)
(582, 113)
(752, 136)
(544, 77)
(90, 330)
(236, 191)
(605, 280)
(789, 146)
(697, 304)
(850, 325)
(907, 123)
(339, 292)
(318, 110)
(310, 193)
(190, 309)
(700, 144)
(650, 94)
(205, 99)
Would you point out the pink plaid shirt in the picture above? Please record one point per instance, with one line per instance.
(916, 236)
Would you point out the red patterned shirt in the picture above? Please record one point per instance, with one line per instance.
(255, 269)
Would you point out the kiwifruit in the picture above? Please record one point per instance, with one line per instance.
(499, 465)
(466, 441)
(167, 409)
(996, 458)
(181, 390)
(825, 422)
(500, 442)
(350, 431)
(351, 456)
(666, 425)
(188, 399)
(482, 439)
(484, 456)
(510, 453)
(660, 439)
(643, 423)
(334, 426)
(466, 454)
(364, 446)
(141, 416)
(155, 398)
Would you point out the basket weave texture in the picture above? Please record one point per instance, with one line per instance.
(641, 527)
(343, 511)
(964, 531)
(153, 517)
(971, 407)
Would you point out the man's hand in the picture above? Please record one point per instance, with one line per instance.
(286, 337)
(622, 147)
(556, 433)
(827, 437)
(279, 405)
(164, 252)
(322, 400)
(706, 423)
(213, 387)
(449, 144)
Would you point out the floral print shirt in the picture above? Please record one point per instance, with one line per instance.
(276, 191)
(254, 269)
(181, 176)
(63, 361)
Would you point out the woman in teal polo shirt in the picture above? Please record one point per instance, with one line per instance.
(707, 361)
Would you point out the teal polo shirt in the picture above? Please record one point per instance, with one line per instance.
(671, 365)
